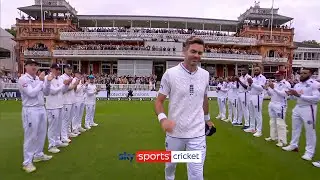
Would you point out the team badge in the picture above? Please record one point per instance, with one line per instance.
(308, 85)
(255, 106)
(30, 124)
(309, 122)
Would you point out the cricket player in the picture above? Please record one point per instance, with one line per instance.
(243, 98)
(34, 117)
(304, 113)
(186, 85)
(54, 105)
(278, 108)
(68, 98)
(91, 91)
(232, 102)
(256, 87)
(222, 90)
(79, 105)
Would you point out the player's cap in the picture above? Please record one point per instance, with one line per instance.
(31, 61)
(210, 131)
(280, 73)
(55, 66)
(68, 66)
(90, 77)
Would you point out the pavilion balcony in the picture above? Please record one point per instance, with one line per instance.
(103, 36)
(37, 53)
(275, 60)
(151, 55)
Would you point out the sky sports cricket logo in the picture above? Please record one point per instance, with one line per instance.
(162, 156)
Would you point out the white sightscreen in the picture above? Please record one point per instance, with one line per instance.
(125, 67)
(143, 67)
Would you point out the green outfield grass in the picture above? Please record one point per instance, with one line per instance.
(131, 126)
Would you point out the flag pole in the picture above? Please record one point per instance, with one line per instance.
(41, 15)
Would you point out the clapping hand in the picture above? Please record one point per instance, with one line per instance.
(271, 85)
(42, 75)
(67, 82)
(293, 93)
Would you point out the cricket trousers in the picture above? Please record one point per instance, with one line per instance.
(222, 107)
(90, 111)
(195, 170)
(255, 109)
(77, 120)
(54, 127)
(232, 109)
(278, 126)
(304, 115)
(34, 120)
(243, 108)
(66, 121)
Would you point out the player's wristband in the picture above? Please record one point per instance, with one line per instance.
(161, 116)
(207, 117)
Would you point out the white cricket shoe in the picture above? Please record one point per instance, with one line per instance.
(81, 129)
(257, 134)
(42, 158)
(290, 148)
(94, 124)
(316, 164)
(54, 150)
(280, 144)
(307, 157)
(270, 139)
(66, 141)
(249, 130)
(87, 127)
(73, 135)
(218, 117)
(29, 168)
(63, 144)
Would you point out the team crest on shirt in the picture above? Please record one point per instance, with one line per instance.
(309, 122)
(30, 124)
(255, 106)
(308, 85)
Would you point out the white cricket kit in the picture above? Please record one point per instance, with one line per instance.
(277, 110)
(186, 91)
(232, 102)
(54, 105)
(243, 99)
(222, 99)
(79, 107)
(68, 101)
(90, 102)
(256, 100)
(34, 116)
(305, 113)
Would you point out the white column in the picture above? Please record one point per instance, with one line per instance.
(318, 73)
(236, 70)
